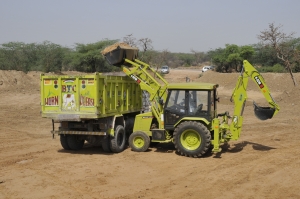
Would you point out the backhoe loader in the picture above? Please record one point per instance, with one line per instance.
(186, 113)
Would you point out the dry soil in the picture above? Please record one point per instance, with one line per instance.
(263, 163)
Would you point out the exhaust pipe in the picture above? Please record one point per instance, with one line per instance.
(263, 113)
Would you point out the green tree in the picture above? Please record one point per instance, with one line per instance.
(88, 58)
(282, 44)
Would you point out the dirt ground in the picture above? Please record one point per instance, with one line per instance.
(263, 163)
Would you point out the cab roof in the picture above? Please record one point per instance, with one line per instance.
(193, 86)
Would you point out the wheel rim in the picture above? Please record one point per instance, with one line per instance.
(138, 142)
(190, 139)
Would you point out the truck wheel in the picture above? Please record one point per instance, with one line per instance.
(75, 142)
(106, 144)
(118, 141)
(129, 122)
(139, 141)
(64, 142)
(191, 139)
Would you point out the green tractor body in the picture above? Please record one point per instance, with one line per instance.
(186, 113)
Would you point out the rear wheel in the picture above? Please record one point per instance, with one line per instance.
(75, 142)
(192, 139)
(118, 141)
(64, 142)
(139, 141)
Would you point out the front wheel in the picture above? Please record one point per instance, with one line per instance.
(139, 141)
(192, 139)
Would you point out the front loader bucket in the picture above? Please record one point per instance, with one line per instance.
(263, 113)
(117, 53)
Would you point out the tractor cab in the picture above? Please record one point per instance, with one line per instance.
(189, 101)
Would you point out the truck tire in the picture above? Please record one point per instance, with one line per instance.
(117, 143)
(129, 122)
(191, 139)
(75, 142)
(64, 142)
(139, 141)
(106, 144)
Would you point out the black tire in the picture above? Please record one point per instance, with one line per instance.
(117, 143)
(191, 139)
(64, 142)
(129, 123)
(106, 144)
(139, 141)
(75, 142)
(153, 144)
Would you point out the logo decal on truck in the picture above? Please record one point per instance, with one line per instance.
(69, 102)
(260, 84)
(51, 101)
(68, 88)
(86, 101)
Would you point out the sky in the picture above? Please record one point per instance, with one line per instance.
(173, 25)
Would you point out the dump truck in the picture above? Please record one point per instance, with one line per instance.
(186, 113)
(93, 108)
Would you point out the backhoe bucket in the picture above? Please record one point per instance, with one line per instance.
(117, 53)
(263, 113)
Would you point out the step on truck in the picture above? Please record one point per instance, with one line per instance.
(93, 108)
(186, 113)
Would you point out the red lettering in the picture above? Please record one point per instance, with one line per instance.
(51, 101)
(86, 101)
(68, 88)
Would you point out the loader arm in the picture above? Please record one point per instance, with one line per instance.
(239, 97)
(124, 56)
(144, 74)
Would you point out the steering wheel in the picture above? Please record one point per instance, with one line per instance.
(198, 109)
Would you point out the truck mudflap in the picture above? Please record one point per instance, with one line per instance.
(79, 132)
(263, 113)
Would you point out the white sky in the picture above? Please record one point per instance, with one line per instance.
(174, 25)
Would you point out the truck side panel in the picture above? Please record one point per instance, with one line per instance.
(89, 96)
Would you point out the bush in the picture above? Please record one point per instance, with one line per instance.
(277, 68)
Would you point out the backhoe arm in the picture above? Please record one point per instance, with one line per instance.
(239, 97)
(262, 113)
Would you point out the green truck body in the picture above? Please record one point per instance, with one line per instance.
(81, 97)
(91, 108)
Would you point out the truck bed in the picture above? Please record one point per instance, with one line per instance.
(79, 97)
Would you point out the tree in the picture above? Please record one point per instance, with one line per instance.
(280, 41)
(199, 57)
(88, 58)
(50, 56)
(130, 40)
(146, 44)
(246, 52)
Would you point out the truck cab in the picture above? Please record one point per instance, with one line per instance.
(190, 101)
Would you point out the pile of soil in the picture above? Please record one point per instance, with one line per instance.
(116, 46)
